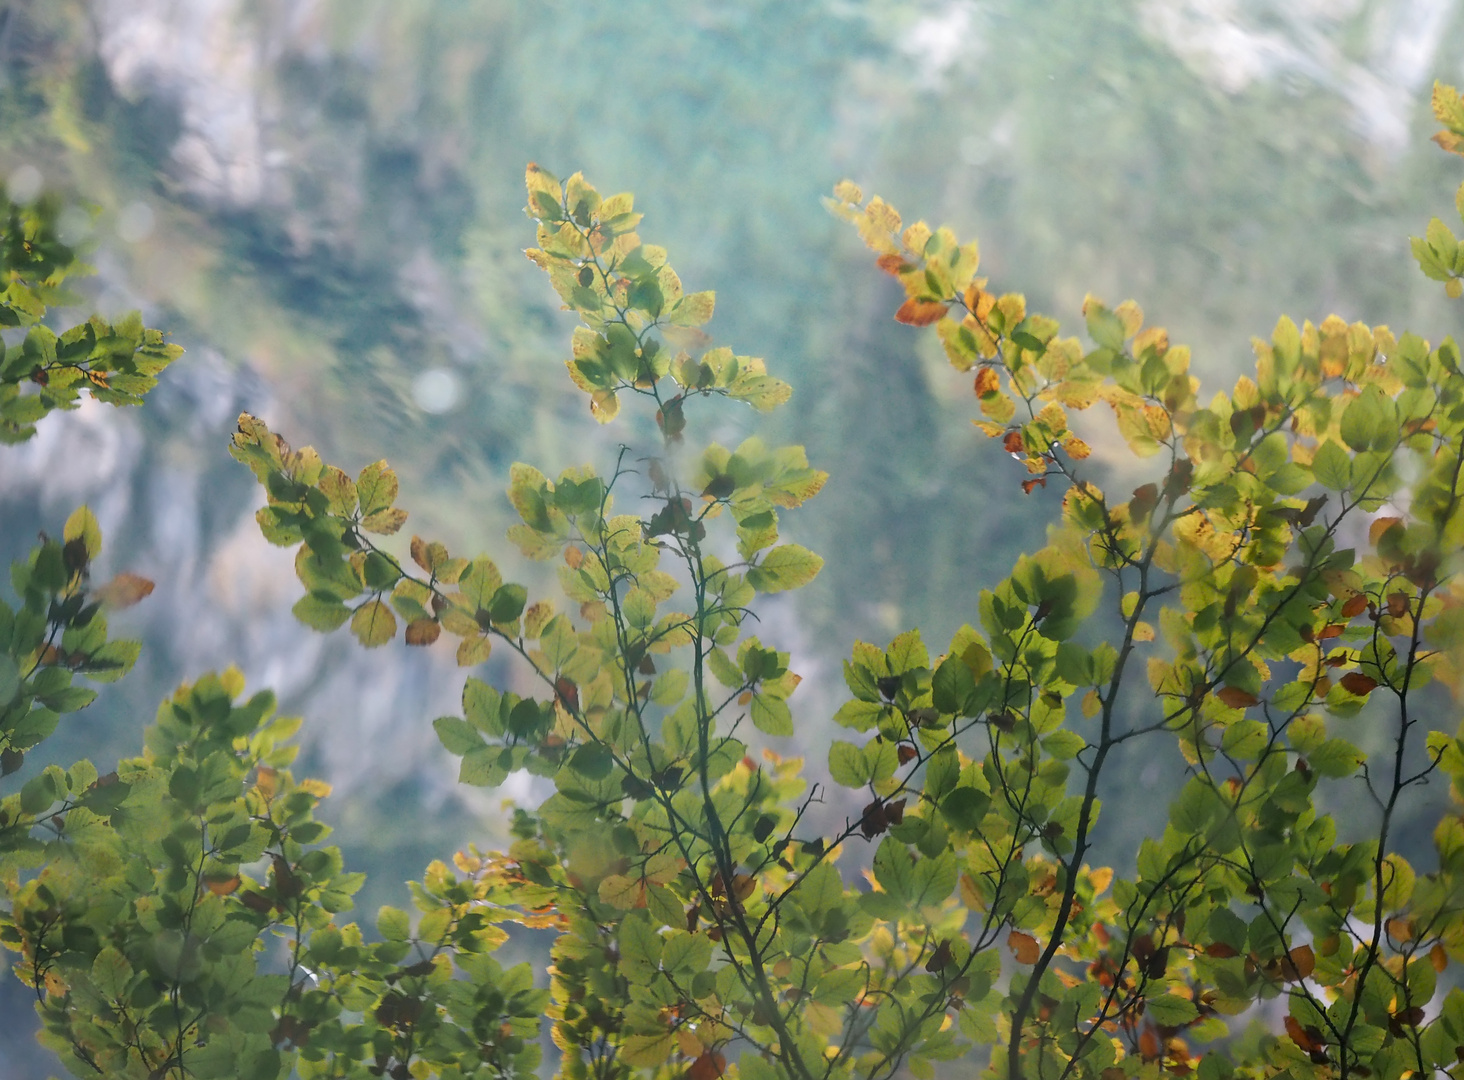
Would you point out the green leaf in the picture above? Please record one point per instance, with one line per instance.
(1170, 1010)
(894, 869)
(847, 766)
(393, 924)
(321, 611)
(457, 735)
(9, 679)
(1366, 419)
(1332, 466)
(771, 715)
(787, 566)
(507, 603)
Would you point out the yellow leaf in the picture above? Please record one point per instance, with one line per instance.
(82, 525)
(622, 892)
(1076, 448)
(373, 624)
(473, 650)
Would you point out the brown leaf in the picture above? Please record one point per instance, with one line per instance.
(940, 958)
(1220, 951)
(1298, 964)
(987, 382)
(1308, 1038)
(1398, 604)
(568, 693)
(920, 312)
(1438, 956)
(1358, 684)
(1354, 606)
(708, 1066)
(124, 590)
(1237, 698)
(423, 631)
(892, 264)
(1024, 947)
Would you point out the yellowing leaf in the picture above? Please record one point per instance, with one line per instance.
(787, 566)
(623, 892)
(472, 651)
(373, 624)
(384, 522)
(82, 525)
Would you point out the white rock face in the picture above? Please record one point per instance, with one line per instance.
(205, 55)
(1235, 44)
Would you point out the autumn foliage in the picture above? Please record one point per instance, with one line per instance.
(1280, 599)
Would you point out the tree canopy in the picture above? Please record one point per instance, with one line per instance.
(1289, 612)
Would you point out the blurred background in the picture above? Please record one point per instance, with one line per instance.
(321, 200)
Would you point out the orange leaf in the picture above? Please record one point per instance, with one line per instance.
(707, 1067)
(1308, 1038)
(1438, 957)
(1354, 606)
(1149, 1044)
(1220, 951)
(892, 264)
(1298, 964)
(1237, 698)
(920, 312)
(1400, 929)
(222, 886)
(124, 590)
(1024, 947)
(1379, 526)
(422, 631)
(1076, 448)
(1355, 682)
(987, 382)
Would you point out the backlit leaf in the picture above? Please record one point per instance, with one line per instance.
(373, 624)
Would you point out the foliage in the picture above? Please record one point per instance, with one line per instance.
(706, 922)
(114, 362)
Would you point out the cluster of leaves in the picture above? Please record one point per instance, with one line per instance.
(705, 923)
(114, 362)
(1438, 251)
(183, 923)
